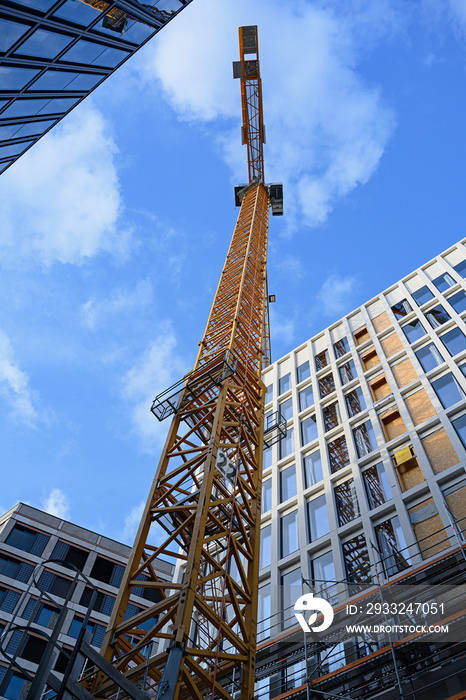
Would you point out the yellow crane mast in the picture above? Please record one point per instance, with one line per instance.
(203, 509)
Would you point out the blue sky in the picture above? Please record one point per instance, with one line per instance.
(114, 227)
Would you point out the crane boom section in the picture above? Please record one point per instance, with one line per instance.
(251, 102)
(203, 510)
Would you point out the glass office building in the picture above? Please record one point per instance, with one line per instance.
(53, 53)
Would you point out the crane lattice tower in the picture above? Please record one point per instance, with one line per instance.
(205, 496)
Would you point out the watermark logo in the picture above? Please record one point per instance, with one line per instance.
(308, 602)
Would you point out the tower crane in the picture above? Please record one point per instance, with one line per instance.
(203, 510)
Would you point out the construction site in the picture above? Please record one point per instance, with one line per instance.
(330, 482)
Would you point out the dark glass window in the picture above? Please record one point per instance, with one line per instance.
(403, 308)
(347, 372)
(364, 438)
(318, 518)
(303, 372)
(338, 454)
(291, 590)
(454, 341)
(10, 32)
(284, 383)
(306, 398)
(33, 649)
(107, 571)
(313, 468)
(308, 430)
(13, 78)
(422, 295)
(265, 546)
(414, 330)
(27, 540)
(392, 546)
(326, 385)
(77, 12)
(461, 268)
(331, 416)
(267, 458)
(429, 357)
(288, 487)
(460, 426)
(289, 533)
(44, 44)
(347, 502)
(355, 402)
(443, 282)
(437, 316)
(458, 301)
(357, 561)
(286, 444)
(63, 80)
(448, 390)
(322, 360)
(22, 130)
(286, 409)
(266, 495)
(47, 616)
(341, 347)
(89, 52)
(269, 393)
(377, 486)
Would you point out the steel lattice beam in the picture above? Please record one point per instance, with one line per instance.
(206, 497)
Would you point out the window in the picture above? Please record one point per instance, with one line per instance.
(413, 330)
(341, 347)
(8, 599)
(318, 518)
(57, 585)
(458, 301)
(291, 591)
(391, 542)
(461, 268)
(269, 393)
(403, 308)
(380, 388)
(323, 574)
(454, 341)
(377, 486)
(437, 316)
(33, 649)
(306, 398)
(103, 603)
(46, 616)
(326, 385)
(286, 409)
(14, 568)
(27, 540)
(443, 282)
(293, 675)
(288, 487)
(355, 402)
(347, 502)
(286, 444)
(107, 571)
(308, 430)
(289, 533)
(448, 390)
(364, 438)
(264, 612)
(44, 44)
(266, 495)
(70, 555)
(322, 360)
(98, 631)
(347, 372)
(17, 687)
(267, 458)
(356, 559)
(331, 416)
(313, 469)
(338, 454)
(460, 426)
(265, 547)
(422, 295)
(429, 357)
(303, 372)
(369, 359)
(284, 383)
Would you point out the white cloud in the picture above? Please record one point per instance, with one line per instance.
(282, 328)
(121, 301)
(57, 504)
(326, 128)
(15, 387)
(336, 293)
(132, 520)
(63, 195)
(153, 372)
